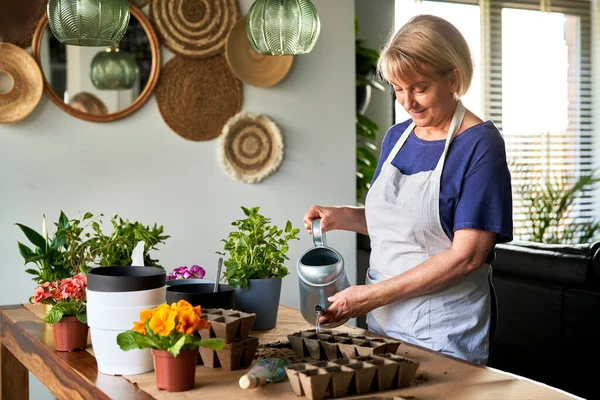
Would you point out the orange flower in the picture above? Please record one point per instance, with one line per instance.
(202, 324)
(140, 327)
(187, 321)
(163, 320)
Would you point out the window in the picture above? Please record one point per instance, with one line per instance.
(535, 83)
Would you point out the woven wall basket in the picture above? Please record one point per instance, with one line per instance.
(27, 83)
(251, 147)
(18, 19)
(197, 97)
(194, 28)
(253, 68)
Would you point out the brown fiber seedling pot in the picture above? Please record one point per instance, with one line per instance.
(69, 334)
(175, 374)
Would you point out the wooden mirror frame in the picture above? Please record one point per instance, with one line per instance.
(141, 99)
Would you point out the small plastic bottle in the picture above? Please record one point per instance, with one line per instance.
(267, 370)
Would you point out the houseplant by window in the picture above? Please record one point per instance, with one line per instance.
(549, 198)
(68, 313)
(171, 331)
(256, 252)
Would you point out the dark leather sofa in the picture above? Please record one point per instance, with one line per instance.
(549, 314)
(548, 309)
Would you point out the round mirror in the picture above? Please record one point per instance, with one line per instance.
(96, 83)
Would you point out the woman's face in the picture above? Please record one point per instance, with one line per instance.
(430, 101)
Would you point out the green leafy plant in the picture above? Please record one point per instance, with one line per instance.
(257, 250)
(366, 129)
(169, 327)
(60, 255)
(116, 249)
(67, 297)
(79, 244)
(548, 199)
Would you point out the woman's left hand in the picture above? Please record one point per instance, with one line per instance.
(349, 303)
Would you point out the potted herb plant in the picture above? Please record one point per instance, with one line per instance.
(256, 253)
(68, 313)
(117, 248)
(171, 331)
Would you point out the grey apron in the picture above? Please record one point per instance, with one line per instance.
(403, 219)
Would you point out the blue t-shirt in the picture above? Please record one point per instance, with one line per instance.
(475, 190)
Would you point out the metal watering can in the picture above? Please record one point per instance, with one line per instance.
(321, 274)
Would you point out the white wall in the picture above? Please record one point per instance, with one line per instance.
(138, 168)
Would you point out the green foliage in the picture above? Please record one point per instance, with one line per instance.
(116, 249)
(62, 309)
(366, 129)
(59, 256)
(257, 250)
(79, 243)
(548, 200)
(173, 342)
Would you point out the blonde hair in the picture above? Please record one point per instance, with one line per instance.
(427, 45)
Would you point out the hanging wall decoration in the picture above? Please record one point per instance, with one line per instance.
(251, 147)
(98, 23)
(283, 27)
(113, 69)
(253, 68)
(140, 3)
(197, 97)
(26, 83)
(18, 20)
(194, 29)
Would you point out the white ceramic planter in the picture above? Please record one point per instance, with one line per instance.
(111, 312)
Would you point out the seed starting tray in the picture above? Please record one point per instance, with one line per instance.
(229, 325)
(327, 345)
(348, 376)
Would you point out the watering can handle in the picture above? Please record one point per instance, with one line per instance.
(318, 236)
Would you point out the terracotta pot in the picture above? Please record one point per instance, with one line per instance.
(69, 334)
(175, 374)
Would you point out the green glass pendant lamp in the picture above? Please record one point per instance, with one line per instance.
(88, 22)
(282, 27)
(114, 70)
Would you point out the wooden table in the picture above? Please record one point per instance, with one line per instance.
(26, 344)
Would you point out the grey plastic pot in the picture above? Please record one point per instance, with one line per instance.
(261, 297)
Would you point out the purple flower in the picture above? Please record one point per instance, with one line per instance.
(184, 272)
(198, 271)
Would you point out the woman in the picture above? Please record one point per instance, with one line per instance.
(439, 201)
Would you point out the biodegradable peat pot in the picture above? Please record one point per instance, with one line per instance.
(69, 334)
(115, 298)
(175, 374)
(260, 297)
(203, 295)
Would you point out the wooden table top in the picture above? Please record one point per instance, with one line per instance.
(27, 340)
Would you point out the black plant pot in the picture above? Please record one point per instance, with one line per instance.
(125, 279)
(202, 294)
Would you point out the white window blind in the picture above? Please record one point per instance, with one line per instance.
(540, 94)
